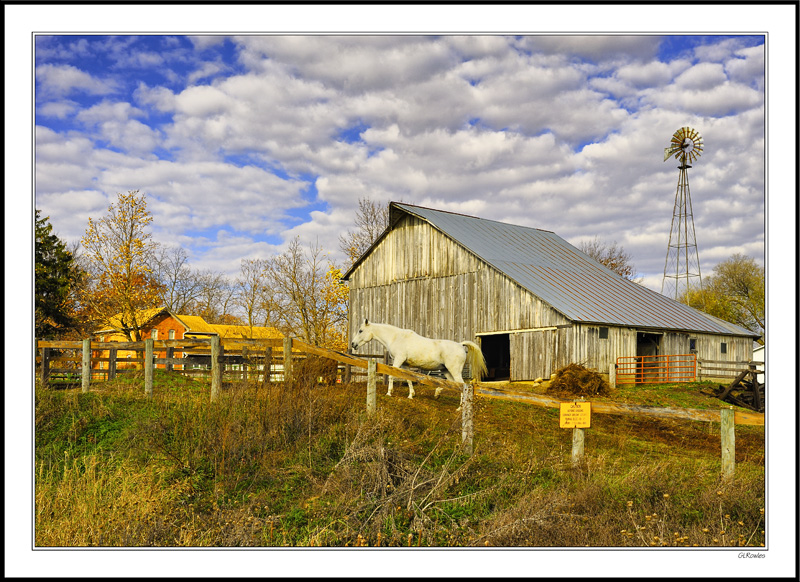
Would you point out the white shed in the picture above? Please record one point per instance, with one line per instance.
(758, 356)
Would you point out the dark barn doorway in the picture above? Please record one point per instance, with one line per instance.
(497, 351)
(647, 344)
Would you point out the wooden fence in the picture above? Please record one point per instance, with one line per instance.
(721, 368)
(250, 352)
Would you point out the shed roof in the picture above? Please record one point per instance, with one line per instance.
(196, 325)
(571, 282)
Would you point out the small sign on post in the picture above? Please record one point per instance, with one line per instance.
(577, 416)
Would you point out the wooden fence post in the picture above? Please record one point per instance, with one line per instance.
(372, 367)
(578, 438)
(112, 363)
(267, 364)
(728, 438)
(612, 375)
(148, 367)
(467, 431)
(45, 371)
(86, 365)
(287, 361)
(216, 368)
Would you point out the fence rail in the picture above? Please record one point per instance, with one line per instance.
(723, 368)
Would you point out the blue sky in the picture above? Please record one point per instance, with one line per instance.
(245, 142)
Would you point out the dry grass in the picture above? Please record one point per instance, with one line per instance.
(304, 466)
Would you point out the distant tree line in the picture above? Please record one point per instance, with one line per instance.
(118, 271)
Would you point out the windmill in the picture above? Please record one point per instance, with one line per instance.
(682, 262)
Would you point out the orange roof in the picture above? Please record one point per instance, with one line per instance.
(245, 331)
(114, 323)
(196, 324)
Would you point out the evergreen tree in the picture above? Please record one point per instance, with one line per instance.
(55, 275)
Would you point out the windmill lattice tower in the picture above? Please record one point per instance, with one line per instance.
(682, 264)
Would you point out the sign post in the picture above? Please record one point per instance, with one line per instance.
(576, 415)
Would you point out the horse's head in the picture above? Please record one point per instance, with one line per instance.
(363, 336)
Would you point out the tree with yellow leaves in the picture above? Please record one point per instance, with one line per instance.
(118, 248)
(735, 293)
(336, 296)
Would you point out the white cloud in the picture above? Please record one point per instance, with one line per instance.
(650, 74)
(747, 66)
(57, 109)
(701, 77)
(62, 80)
(108, 111)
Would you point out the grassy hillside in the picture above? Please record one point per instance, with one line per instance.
(269, 466)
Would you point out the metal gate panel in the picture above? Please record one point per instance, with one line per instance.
(661, 369)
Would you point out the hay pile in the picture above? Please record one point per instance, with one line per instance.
(576, 380)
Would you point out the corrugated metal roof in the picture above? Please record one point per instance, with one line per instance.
(567, 279)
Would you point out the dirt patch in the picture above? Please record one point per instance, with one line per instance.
(576, 380)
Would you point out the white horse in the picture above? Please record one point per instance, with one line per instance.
(405, 346)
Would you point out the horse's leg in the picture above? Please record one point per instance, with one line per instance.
(410, 389)
(453, 374)
(397, 361)
(439, 389)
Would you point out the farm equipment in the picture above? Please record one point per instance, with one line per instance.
(745, 390)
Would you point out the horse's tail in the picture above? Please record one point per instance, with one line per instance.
(475, 359)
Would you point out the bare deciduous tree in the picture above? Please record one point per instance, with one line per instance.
(255, 295)
(612, 256)
(215, 298)
(181, 284)
(370, 222)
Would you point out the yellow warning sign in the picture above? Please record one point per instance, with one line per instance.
(576, 415)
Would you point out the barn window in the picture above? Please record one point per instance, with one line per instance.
(723, 348)
(172, 334)
(603, 333)
(692, 345)
(154, 334)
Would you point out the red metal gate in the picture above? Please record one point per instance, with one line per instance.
(664, 369)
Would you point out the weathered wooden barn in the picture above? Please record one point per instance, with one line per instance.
(531, 300)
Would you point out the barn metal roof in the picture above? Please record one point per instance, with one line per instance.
(559, 274)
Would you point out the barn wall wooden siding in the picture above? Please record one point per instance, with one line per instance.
(449, 293)
(595, 352)
(420, 279)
